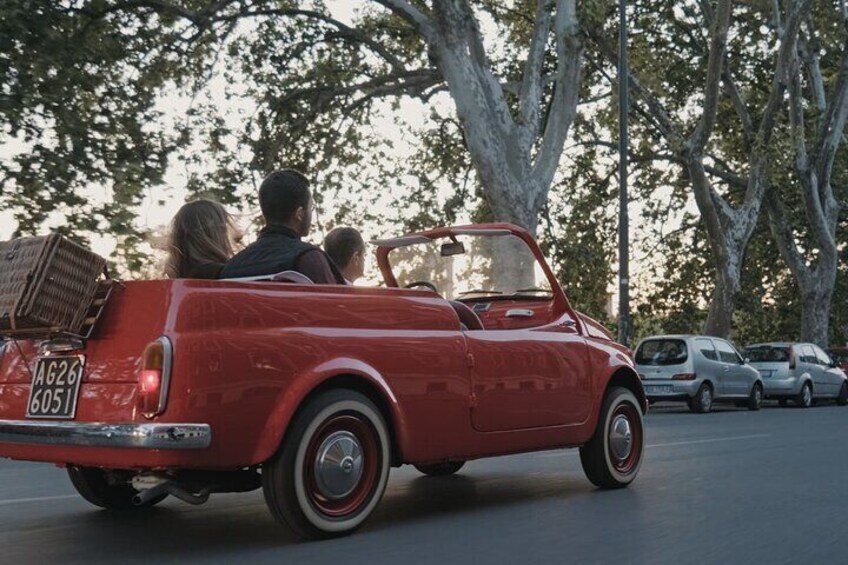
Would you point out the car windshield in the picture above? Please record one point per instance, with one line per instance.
(767, 354)
(662, 352)
(472, 267)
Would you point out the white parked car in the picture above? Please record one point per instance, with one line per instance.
(800, 372)
(697, 369)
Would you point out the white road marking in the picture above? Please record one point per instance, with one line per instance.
(712, 440)
(671, 444)
(37, 499)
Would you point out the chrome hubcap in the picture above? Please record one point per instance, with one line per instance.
(706, 397)
(338, 465)
(807, 395)
(621, 437)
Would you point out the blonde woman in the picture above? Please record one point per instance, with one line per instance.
(200, 241)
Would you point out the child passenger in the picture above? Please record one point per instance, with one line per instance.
(346, 248)
(200, 241)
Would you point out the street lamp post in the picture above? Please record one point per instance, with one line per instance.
(623, 221)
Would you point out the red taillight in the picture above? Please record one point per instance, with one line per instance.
(683, 377)
(153, 378)
(149, 381)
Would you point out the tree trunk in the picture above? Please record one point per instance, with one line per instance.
(720, 317)
(513, 265)
(816, 302)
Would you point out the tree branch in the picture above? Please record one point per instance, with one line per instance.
(563, 106)
(739, 105)
(718, 48)
(419, 20)
(785, 239)
(342, 29)
(530, 96)
(832, 127)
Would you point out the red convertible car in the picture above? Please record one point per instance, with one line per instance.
(190, 387)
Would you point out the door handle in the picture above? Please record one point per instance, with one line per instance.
(726, 369)
(519, 313)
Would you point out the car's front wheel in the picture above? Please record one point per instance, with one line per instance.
(611, 459)
(842, 399)
(106, 490)
(441, 469)
(702, 402)
(755, 399)
(332, 469)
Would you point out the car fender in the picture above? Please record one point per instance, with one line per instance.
(292, 397)
(619, 363)
(805, 378)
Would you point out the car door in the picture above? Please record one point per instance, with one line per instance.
(830, 379)
(528, 378)
(812, 367)
(735, 380)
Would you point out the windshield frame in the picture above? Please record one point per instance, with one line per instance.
(558, 298)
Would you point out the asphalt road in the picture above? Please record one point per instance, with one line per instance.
(728, 487)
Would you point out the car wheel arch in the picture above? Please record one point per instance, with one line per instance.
(375, 393)
(307, 385)
(627, 378)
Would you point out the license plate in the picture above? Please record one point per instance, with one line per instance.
(658, 388)
(55, 387)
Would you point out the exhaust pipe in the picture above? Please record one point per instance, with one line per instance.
(169, 487)
(197, 498)
(146, 495)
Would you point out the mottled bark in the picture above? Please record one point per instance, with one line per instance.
(816, 275)
(515, 177)
(729, 229)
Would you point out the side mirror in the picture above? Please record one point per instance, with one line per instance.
(745, 361)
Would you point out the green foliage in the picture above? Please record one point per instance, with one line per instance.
(99, 98)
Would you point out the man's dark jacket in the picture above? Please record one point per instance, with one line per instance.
(279, 249)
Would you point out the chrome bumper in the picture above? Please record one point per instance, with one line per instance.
(93, 434)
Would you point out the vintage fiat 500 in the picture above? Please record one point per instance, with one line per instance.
(468, 349)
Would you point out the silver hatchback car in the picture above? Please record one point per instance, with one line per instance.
(698, 369)
(800, 372)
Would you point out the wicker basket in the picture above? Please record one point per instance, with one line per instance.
(47, 285)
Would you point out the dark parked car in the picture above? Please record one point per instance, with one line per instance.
(839, 355)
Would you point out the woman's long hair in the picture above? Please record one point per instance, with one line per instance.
(201, 234)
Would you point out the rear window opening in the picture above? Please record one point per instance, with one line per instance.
(767, 354)
(662, 352)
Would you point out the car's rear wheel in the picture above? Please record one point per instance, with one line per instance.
(804, 399)
(611, 459)
(441, 469)
(105, 490)
(842, 399)
(702, 402)
(755, 399)
(332, 468)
